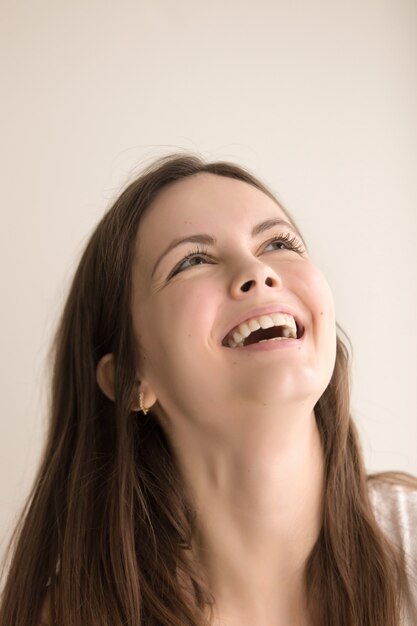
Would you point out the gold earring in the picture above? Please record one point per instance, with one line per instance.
(141, 403)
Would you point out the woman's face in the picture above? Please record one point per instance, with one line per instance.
(211, 254)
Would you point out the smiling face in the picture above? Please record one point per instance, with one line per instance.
(213, 252)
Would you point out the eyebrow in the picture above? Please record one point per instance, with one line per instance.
(208, 240)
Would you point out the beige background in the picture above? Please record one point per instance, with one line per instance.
(318, 98)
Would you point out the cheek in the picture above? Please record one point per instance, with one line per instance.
(317, 291)
(325, 321)
(319, 299)
(177, 323)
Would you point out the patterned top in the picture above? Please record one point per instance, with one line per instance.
(395, 509)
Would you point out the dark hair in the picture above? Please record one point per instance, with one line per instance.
(108, 526)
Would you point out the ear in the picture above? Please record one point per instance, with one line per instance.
(105, 380)
(105, 375)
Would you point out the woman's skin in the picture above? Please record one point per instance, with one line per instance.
(240, 420)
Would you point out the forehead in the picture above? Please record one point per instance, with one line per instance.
(206, 201)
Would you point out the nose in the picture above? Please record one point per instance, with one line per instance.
(254, 277)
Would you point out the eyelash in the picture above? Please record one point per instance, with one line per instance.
(291, 241)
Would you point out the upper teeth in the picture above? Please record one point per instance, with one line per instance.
(238, 335)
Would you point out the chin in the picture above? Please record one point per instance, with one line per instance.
(288, 388)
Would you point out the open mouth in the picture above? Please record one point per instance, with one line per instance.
(272, 327)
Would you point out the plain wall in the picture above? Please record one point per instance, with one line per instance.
(319, 99)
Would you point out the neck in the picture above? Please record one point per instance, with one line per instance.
(257, 491)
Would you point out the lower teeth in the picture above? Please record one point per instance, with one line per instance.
(232, 344)
(272, 339)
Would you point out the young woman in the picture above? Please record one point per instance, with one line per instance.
(202, 466)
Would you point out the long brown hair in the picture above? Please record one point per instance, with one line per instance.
(107, 529)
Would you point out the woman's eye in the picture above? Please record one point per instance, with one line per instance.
(285, 242)
(192, 259)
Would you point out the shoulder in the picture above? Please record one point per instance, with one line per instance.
(393, 496)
